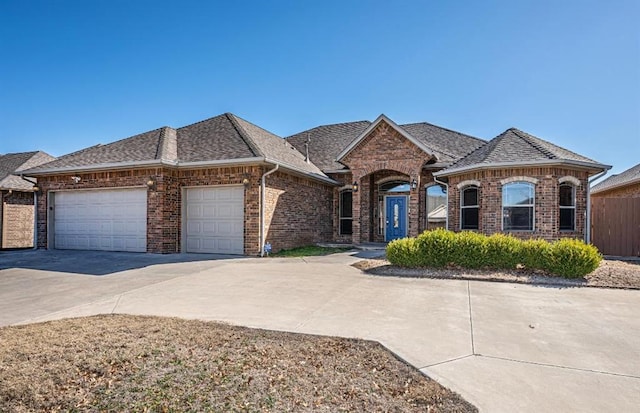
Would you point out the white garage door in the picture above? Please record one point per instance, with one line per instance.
(106, 219)
(215, 220)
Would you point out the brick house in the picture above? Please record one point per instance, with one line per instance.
(615, 214)
(225, 185)
(17, 199)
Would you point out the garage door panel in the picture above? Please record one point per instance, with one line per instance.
(109, 219)
(215, 220)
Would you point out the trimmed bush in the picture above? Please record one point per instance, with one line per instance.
(470, 250)
(572, 258)
(436, 247)
(503, 251)
(534, 254)
(439, 248)
(404, 253)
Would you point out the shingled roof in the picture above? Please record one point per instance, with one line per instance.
(328, 141)
(222, 138)
(628, 177)
(12, 163)
(515, 147)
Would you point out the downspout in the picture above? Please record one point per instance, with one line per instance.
(587, 230)
(446, 218)
(35, 211)
(263, 199)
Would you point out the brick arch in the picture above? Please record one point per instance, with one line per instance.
(569, 179)
(393, 178)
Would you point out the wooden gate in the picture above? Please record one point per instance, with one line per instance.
(615, 226)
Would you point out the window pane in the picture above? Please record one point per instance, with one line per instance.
(436, 206)
(470, 196)
(469, 218)
(567, 219)
(346, 203)
(566, 195)
(346, 226)
(520, 193)
(395, 187)
(518, 218)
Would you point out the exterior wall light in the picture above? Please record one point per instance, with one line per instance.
(245, 182)
(76, 179)
(151, 184)
(414, 184)
(354, 187)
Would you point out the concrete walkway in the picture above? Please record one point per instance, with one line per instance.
(503, 347)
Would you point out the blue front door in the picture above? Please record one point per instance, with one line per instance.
(396, 217)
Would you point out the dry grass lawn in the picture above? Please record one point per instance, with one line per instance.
(133, 363)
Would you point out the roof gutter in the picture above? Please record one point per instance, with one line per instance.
(587, 230)
(497, 165)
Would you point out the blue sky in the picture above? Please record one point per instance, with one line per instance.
(77, 73)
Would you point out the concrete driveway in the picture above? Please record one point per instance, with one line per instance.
(504, 347)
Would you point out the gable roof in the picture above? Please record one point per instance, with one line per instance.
(514, 147)
(11, 164)
(326, 142)
(628, 177)
(370, 128)
(223, 139)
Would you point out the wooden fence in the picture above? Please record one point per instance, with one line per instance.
(615, 226)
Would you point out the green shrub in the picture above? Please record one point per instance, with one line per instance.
(436, 248)
(469, 250)
(503, 251)
(572, 258)
(404, 253)
(534, 254)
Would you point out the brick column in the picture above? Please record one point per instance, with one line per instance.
(414, 207)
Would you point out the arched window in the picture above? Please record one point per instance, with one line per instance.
(518, 200)
(567, 207)
(346, 212)
(469, 208)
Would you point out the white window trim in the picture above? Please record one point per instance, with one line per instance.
(462, 206)
(573, 198)
(533, 205)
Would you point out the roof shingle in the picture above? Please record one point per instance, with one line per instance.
(515, 146)
(13, 163)
(631, 175)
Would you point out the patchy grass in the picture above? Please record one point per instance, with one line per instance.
(309, 251)
(133, 363)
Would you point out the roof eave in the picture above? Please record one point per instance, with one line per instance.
(594, 190)
(298, 171)
(371, 127)
(595, 167)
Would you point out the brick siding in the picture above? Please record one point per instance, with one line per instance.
(298, 211)
(547, 215)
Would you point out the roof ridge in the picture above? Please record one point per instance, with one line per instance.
(167, 144)
(447, 129)
(531, 140)
(244, 134)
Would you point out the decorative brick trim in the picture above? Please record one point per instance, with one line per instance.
(391, 179)
(468, 182)
(512, 179)
(570, 179)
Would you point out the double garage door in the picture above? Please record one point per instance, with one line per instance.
(116, 220)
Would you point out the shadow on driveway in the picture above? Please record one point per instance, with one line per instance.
(94, 262)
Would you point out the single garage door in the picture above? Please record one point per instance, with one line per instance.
(105, 219)
(215, 220)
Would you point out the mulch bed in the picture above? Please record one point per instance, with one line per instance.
(610, 274)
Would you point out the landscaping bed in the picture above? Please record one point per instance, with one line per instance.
(609, 274)
(134, 363)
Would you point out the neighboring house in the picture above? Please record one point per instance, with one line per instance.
(17, 204)
(615, 214)
(225, 185)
